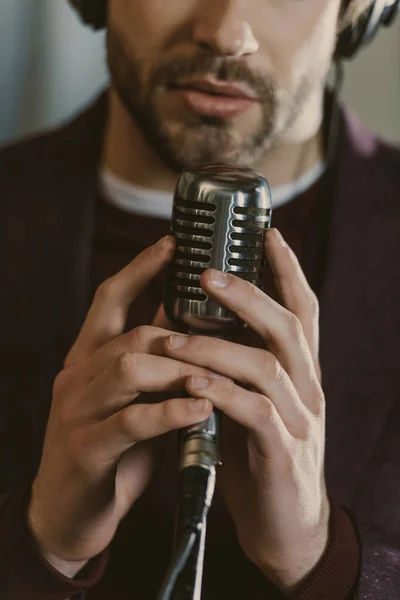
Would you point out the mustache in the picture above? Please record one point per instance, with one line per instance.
(224, 70)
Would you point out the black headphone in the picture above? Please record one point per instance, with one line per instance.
(350, 41)
(356, 36)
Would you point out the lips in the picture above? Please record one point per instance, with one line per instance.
(216, 89)
(214, 99)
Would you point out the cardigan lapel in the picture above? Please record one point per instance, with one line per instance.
(360, 305)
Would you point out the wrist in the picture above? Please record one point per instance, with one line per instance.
(68, 568)
(289, 574)
(289, 579)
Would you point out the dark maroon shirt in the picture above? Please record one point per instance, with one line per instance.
(59, 240)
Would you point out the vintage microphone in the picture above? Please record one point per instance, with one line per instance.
(220, 216)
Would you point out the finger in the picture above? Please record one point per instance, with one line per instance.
(130, 374)
(144, 340)
(252, 410)
(280, 329)
(106, 318)
(139, 422)
(294, 289)
(250, 366)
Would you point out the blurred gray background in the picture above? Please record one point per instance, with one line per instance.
(50, 66)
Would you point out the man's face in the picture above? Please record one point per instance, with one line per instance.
(169, 58)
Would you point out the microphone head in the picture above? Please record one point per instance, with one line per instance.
(219, 219)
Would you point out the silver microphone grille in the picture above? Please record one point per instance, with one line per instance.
(219, 219)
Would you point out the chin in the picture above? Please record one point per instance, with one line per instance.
(208, 144)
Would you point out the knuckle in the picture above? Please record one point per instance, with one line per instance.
(269, 364)
(126, 365)
(142, 336)
(313, 304)
(60, 384)
(74, 356)
(105, 291)
(224, 386)
(184, 370)
(306, 427)
(65, 386)
(127, 422)
(69, 359)
(294, 327)
(319, 402)
(264, 408)
(168, 414)
(228, 385)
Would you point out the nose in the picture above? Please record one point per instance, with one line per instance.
(221, 26)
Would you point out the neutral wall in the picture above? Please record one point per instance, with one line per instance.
(50, 66)
(372, 85)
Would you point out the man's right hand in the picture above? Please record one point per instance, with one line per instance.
(92, 468)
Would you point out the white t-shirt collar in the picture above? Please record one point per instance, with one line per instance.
(134, 198)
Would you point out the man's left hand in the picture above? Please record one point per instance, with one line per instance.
(273, 438)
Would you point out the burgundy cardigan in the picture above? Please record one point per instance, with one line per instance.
(47, 193)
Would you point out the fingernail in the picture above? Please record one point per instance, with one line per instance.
(200, 383)
(177, 341)
(199, 405)
(219, 279)
(164, 241)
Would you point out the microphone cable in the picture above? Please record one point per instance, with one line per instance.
(178, 563)
(197, 485)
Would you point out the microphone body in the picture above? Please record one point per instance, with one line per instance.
(220, 216)
(219, 219)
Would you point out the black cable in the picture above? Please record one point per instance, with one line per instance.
(178, 563)
(197, 485)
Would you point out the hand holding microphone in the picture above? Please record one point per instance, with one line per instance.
(273, 419)
(273, 426)
(99, 449)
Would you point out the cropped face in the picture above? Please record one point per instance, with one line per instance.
(219, 80)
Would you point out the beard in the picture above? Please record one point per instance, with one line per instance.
(184, 141)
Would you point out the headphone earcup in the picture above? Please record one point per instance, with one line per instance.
(351, 39)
